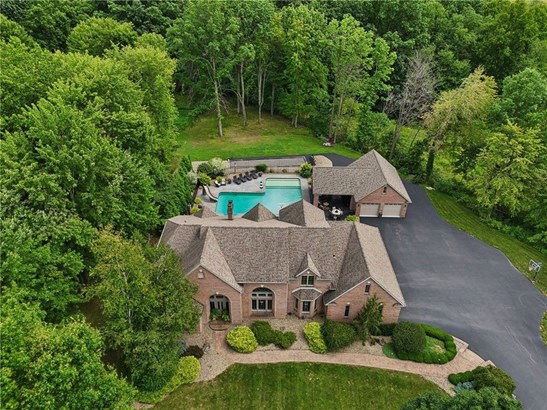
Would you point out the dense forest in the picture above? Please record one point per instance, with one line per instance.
(87, 92)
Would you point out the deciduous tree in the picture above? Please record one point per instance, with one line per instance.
(511, 165)
(48, 366)
(147, 303)
(96, 35)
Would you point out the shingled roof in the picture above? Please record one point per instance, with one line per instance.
(274, 251)
(359, 179)
(304, 214)
(205, 212)
(259, 213)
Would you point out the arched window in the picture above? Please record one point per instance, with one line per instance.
(262, 300)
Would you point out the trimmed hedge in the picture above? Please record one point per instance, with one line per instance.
(408, 338)
(265, 335)
(429, 357)
(263, 332)
(285, 339)
(312, 332)
(486, 376)
(261, 167)
(242, 339)
(491, 376)
(463, 377)
(337, 335)
(187, 371)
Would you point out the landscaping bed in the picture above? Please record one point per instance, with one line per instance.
(439, 347)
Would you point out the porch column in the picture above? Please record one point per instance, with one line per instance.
(315, 199)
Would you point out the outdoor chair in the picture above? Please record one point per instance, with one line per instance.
(223, 182)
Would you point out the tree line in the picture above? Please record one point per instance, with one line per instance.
(88, 121)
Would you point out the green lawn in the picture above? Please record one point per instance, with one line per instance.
(300, 386)
(463, 218)
(272, 136)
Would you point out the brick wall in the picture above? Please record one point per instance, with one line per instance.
(279, 304)
(356, 298)
(379, 197)
(210, 285)
(319, 284)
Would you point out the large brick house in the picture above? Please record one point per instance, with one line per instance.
(371, 184)
(296, 264)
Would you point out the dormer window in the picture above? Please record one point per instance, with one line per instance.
(307, 280)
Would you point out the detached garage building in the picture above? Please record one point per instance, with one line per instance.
(372, 184)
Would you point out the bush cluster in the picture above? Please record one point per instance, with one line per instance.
(261, 167)
(265, 335)
(305, 170)
(312, 332)
(486, 376)
(428, 356)
(385, 329)
(207, 169)
(187, 370)
(337, 335)
(194, 351)
(242, 339)
(408, 337)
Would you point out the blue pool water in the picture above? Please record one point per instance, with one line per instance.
(279, 192)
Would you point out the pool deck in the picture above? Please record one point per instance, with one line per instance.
(253, 187)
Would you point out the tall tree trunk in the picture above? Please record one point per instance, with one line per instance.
(260, 92)
(394, 140)
(429, 166)
(338, 118)
(219, 113)
(238, 92)
(295, 121)
(272, 101)
(331, 122)
(243, 110)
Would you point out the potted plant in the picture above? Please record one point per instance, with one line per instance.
(215, 314)
(225, 316)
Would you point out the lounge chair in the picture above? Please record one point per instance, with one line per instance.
(237, 181)
(223, 182)
(253, 175)
(217, 184)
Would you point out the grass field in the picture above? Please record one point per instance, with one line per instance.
(272, 136)
(300, 386)
(518, 252)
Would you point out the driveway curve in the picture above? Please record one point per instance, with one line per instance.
(471, 290)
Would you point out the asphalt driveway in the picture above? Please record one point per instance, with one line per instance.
(470, 289)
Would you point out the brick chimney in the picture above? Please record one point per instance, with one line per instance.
(230, 210)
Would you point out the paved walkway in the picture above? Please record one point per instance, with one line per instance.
(221, 357)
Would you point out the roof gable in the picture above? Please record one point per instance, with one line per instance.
(205, 212)
(213, 260)
(361, 178)
(307, 264)
(303, 213)
(259, 213)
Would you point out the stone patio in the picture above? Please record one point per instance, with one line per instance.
(253, 186)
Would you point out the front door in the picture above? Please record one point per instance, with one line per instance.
(219, 302)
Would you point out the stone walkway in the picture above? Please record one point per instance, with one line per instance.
(220, 357)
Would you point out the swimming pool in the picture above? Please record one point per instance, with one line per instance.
(279, 192)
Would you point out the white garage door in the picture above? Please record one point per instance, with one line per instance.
(369, 210)
(392, 210)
